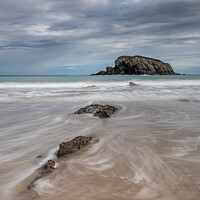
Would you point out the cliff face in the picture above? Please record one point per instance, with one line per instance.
(138, 65)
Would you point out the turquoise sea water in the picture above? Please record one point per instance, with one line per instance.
(97, 88)
(80, 78)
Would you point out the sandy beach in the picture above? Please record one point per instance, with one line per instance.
(149, 149)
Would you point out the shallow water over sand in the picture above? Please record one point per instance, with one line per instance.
(150, 149)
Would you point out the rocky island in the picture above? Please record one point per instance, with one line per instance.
(138, 65)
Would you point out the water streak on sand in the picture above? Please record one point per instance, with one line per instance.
(148, 150)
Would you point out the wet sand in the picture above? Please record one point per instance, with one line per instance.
(148, 150)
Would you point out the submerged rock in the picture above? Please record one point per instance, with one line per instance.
(45, 170)
(138, 65)
(72, 146)
(184, 99)
(98, 110)
(40, 156)
(132, 84)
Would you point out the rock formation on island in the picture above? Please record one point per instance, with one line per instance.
(101, 111)
(138, 65)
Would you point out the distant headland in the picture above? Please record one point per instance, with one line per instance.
(138, 65)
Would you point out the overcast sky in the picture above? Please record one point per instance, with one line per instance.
(85, 36)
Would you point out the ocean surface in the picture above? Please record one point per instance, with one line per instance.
(149, 149)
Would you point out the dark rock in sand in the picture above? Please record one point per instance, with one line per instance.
(40, 156)
(132, 84)
(48, 167)
(138, 65)
(101, 111)
(101, 114)
(72, 146)
(65, 149)
(43, 171)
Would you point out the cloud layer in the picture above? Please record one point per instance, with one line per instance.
(39, 37)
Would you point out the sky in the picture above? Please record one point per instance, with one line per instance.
(84, 36)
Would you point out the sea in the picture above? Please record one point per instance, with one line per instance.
(148, 150)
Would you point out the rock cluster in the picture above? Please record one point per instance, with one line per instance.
(138, 65)
(72, 146)
(65, 149)
(101, 111)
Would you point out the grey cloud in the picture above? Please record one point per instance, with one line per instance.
(158, 16)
